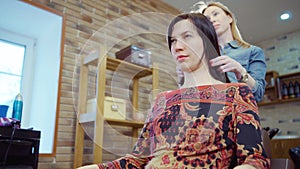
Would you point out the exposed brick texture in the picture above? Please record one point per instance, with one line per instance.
(84, 18)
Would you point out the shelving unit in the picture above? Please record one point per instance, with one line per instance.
(105, 63)
(273, 88)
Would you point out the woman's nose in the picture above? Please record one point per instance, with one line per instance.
(212, 19)
(178, 46)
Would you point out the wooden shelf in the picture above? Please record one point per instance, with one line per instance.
(273, 89)
(87, 117)
(113, 64)
(279, 102)
(91, 117)
(125, 123)
(103, 63)
(270, 88)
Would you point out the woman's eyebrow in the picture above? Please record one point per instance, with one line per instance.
(213, 11)
(185, 32)
(182, 33)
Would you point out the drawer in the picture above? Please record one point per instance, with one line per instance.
(114, 108)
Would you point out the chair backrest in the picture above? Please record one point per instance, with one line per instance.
(266, 142)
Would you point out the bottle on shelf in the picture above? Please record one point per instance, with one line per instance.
(285, 94)
(291, 90)
(272, 82)
(279, 90)
(297, 89)
(18, 107)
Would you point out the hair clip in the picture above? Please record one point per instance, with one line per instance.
(198, 7)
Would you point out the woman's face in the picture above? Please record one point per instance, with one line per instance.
(219, 19)
(187, 46)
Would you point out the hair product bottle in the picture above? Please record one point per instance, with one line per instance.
(291, 90)
(297, 89)
(18, 107)
(285, 94)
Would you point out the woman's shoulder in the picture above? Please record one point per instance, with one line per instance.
(221, 86)
(244, 94)
(256, 48)
(205, 90)
(238, 86)
(239, 45)
(228, 93)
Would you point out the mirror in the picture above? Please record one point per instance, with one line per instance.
(44, 28)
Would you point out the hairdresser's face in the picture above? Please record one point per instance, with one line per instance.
(187, 46)
(219, 19)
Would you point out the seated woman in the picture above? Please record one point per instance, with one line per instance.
(207, 123)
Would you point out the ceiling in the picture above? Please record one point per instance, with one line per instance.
(258, 20)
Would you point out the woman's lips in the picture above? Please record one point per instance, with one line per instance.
(181, 58)
(216, 26)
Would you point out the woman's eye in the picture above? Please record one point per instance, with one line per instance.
(216, 13)
(187, 36)
(173, 40)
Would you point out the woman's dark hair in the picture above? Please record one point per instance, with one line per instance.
(207, 32)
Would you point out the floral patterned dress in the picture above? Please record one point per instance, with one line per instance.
(212, 126)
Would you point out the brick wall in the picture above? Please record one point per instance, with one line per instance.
(84, 18)
(282, 55)
(284, 116)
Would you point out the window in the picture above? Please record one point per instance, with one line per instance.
(15, 51)
(42, 30)
(11, 70)
(16, 70)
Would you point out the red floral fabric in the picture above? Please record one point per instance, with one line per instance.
(213, 126)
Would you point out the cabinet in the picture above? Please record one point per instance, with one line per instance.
(274, 88)
(280, 147)
(105, 63)
(20, 146)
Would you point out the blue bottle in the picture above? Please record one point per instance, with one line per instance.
(18, 107)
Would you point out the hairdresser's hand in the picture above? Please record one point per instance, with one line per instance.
(94, 166)
(227, 64)
(244, 166)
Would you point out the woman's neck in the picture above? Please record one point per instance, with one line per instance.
(225, 38)
(199, 77)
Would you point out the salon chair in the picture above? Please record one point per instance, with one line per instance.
(276, 163)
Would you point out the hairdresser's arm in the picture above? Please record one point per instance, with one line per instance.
(257, 70)
(227, 64)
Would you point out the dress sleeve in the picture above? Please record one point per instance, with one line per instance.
(257, 69)
(248, 132)
(249, 143)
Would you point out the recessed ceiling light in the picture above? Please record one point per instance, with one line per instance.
(286, 15)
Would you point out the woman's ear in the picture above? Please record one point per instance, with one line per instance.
(229, 19)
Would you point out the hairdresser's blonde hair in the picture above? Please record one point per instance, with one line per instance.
(234, 29)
